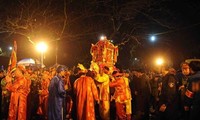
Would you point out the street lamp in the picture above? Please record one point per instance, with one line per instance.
(41, 47)
(159, 63)
(10, 48)
(153, 38)
(103, 37)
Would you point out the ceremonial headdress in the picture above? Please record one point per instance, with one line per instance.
(82, 68)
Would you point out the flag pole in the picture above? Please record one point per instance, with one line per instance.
(13, 59)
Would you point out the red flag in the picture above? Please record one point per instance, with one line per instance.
(13, 58)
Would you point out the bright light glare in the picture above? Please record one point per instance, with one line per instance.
(153, 38)
(102, 37)
(159, 61)
(10, 48)
(41, 47)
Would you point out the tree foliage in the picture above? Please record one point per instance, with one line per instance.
(127, 22)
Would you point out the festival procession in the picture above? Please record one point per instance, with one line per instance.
(100, 92)
(99, 60)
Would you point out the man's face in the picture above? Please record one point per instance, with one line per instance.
(1, 74)
(62, 73)
(135, 73)
(117, 77)
(156, 78)
(45, 76)
(16, 73)
(105, 71)
(185, 69)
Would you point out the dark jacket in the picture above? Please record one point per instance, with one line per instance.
(169, 97)
(192, 97)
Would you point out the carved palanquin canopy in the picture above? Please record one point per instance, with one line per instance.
(104, 52)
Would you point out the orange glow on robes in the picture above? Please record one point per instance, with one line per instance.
(18, 99)
(85, 91)
(43, 97)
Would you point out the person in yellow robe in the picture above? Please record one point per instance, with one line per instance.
(104, 93)
(129, 98)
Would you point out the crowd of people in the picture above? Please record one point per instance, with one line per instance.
(59, 93)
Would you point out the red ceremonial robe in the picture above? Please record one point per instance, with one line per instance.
(18, 100)
(85, 91)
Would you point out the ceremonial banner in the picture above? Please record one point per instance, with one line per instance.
(13, 58)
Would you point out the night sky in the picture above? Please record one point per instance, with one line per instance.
(75, 24)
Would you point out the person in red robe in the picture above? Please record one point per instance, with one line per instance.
(85, 91)
(43, 95)
(68, 99)
(120, 95)
(19, 90)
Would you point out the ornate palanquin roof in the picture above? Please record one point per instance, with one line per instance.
(104, 52)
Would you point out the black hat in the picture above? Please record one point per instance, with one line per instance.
(60, 68)
(195, 65)
(116, 74)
